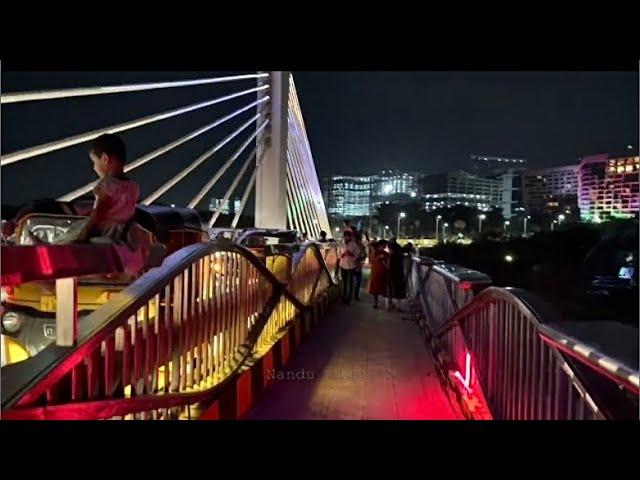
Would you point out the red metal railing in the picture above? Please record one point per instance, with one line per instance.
(169, 341)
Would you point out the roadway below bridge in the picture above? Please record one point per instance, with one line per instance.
(359, 364)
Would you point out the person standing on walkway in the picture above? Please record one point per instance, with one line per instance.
(360, 259)
(378, 279)
(349, 252)
(396, 279)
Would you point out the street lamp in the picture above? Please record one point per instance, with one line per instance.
(400, 215)
(524, 234)
(481, 217)
(506, 224)
(560, 218)
(552, 224)
(444, 231)
(437, 222)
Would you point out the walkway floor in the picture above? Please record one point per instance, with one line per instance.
(358, 364)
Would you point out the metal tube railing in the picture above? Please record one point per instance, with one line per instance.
(517, 359)
(15, 97)
(588, 355)
(165, 148)
(83, 137)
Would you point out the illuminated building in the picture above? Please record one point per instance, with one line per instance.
(216, 202)
(551, 190)
(608, 187)
(460, 188)
(348, 196)
(391, 182)
(508, 171)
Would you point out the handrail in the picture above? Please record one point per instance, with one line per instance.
(610, 367)
(134, 316)
(603, 364)
(518, 358)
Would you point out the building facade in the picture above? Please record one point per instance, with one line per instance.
(509, 172)
(227, 206)
(608, 187)
(348, 196)
(461, 188)
(551, 190)
(393, 182)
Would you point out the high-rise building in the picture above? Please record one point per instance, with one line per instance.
(348, 196)
(508, 171)
(393, 182)
(551, 190)
(227, 207)
(461, 188)
(608, 187)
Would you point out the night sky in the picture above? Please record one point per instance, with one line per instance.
(357, 122)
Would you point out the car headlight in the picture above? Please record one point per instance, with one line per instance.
(12, 322)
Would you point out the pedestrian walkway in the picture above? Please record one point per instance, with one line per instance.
(359, 364)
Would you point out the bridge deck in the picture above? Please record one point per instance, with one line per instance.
(359, 364)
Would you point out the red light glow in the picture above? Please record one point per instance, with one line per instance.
(45, 260)
(466, 380)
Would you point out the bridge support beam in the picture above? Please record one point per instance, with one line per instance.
(271, 178)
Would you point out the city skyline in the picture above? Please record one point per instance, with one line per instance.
(606, 189)
(358, 123)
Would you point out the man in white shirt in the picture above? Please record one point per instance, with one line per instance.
(349, 252)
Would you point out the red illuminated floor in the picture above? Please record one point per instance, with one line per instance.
(358, 364)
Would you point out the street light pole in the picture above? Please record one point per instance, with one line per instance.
(400, 215)
(506, 224)
(480, 219)
(527, 217)
(444, 231)
(437, 222)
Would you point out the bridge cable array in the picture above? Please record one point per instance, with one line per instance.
(305, 207)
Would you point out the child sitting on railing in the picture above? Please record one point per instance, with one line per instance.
(116, 195)
(111, 220)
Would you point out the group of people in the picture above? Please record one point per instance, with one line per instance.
(386, 259)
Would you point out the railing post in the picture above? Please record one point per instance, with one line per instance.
(3, 351)
(66, 311)
(271, 178)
